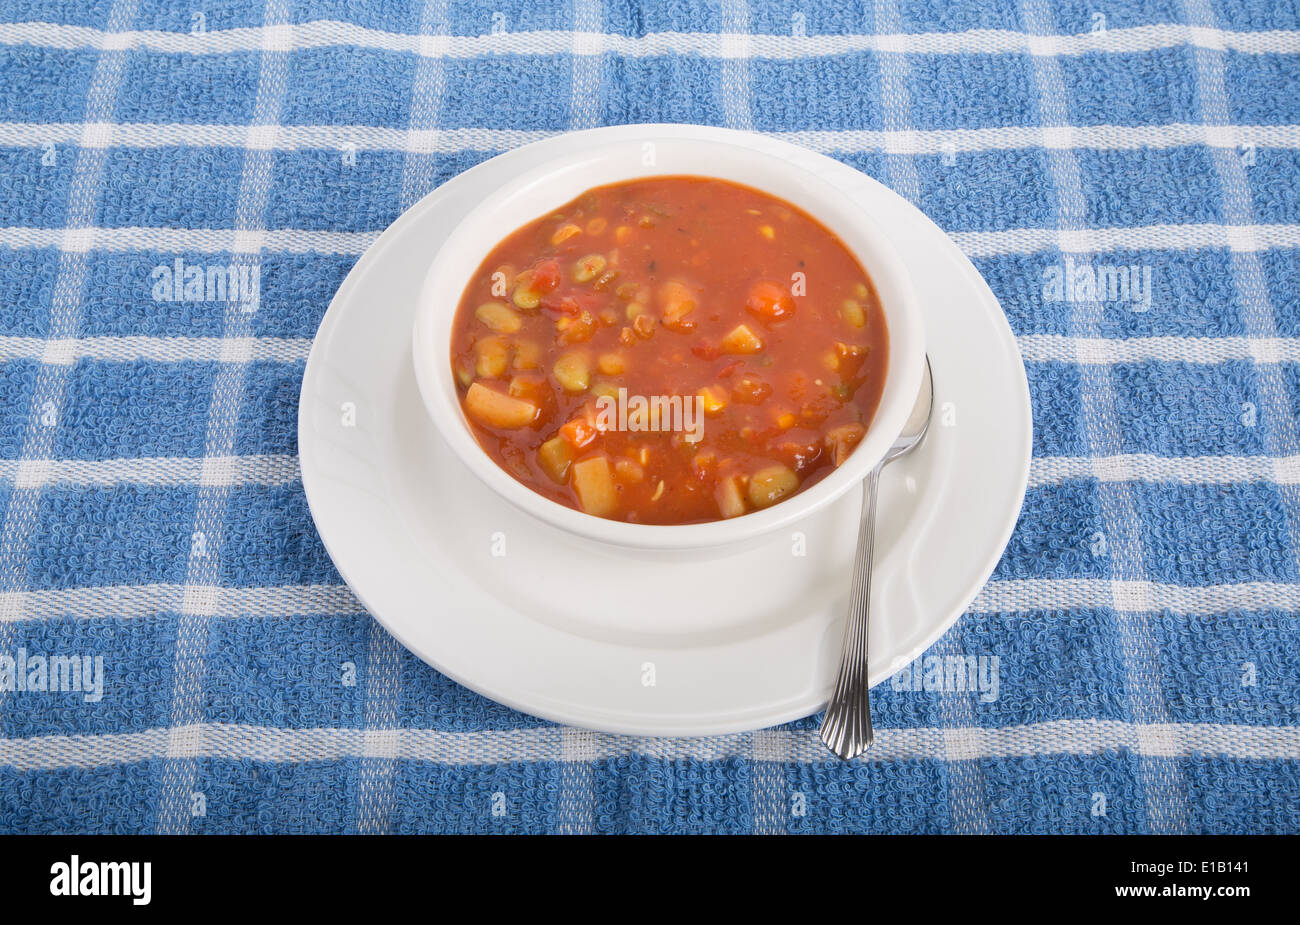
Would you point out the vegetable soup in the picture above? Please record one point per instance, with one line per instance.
(670, 350)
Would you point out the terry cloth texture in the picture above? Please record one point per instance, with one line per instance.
(152, 516)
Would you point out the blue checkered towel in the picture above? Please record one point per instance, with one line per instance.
(1123, 173)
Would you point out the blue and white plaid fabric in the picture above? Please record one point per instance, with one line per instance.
(172, 632)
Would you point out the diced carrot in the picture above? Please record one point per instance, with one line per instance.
(770, 301)
(579, 433)
(751, 390)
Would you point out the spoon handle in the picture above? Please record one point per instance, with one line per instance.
(846, 727)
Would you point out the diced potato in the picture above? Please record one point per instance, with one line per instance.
(589, 267)
(528, 355)
(628, 470)
(499, 317)
(496, 409)
(604, 390)
(770, 484)
(853, 312)
(611, 364)
(741, 339)
(491, 357)
(573, 371)
(842, 440)
(564, 232)
(731, 503)
(713, 398)
(464, 375)
(594, 484)
(677, 301)
(555, 456)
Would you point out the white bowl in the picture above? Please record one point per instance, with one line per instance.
(542, 190)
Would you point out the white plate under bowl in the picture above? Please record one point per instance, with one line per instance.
(602, 637)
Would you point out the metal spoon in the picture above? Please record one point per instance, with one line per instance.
(846, 728)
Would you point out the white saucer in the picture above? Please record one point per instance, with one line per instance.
(597, 637)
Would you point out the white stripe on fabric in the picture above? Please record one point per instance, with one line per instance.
(129, 348)
(189, 668)
(974, 243)
(327, 33)
(216, 471)
(276, 745)
(1103, 351)
(276, 470)
(125, 602)
(493, 140)
(1034, 348)
(1002, 596)
(1162, 784)
(189, 240)
(1035, 595)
